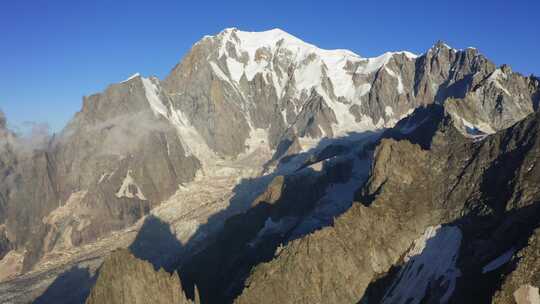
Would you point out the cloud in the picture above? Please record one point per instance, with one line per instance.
(27, 137)
(117, 136)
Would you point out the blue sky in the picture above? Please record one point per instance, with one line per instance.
(54, 52)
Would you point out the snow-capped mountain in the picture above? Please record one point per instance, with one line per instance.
(275, 86)
(212, 139)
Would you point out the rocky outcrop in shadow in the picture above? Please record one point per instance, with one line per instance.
(72, 286)
(277, 216)
(125, 279)
(156, 243)
(456, 180)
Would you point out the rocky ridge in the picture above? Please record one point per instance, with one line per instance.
(289, 104)
(125, 279)
(392, 237)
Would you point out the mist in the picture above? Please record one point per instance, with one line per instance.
(24, 138)
(117, 136)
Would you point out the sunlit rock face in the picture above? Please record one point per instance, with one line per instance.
(214, 138)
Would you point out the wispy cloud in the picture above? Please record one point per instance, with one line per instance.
(117, 136)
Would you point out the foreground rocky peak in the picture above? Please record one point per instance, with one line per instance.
(125, 279)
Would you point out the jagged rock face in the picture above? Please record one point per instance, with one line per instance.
(335, 264)
(275, 82)
(386, 241)
(125, 158)
(522, 285)
(130, 147)
(114, 162)
(125, 279)
(7, 163)
(253, 236)
(444, 71)
(496, 103)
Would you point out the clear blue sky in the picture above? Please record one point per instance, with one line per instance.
(53, 52)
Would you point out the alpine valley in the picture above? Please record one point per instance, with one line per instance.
(264, 169)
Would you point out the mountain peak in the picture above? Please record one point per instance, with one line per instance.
(132, 77)
(272, 39)
(440, 44)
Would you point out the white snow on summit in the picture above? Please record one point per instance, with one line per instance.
(257, 52)
(274, 53)
(131, 77)
(152, 94)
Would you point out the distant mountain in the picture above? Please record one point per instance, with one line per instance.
(224, 170)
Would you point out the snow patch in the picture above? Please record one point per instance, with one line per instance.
(398, 77)
(129, 188)
(265, 52)
(409, 55)
(104, 176)
(388, 111)
(339, 196)
(236, 69)
(370, 65)
(478, 130)
(498, 262)
(494, 78)
(152, 95)
(284, 115)
(192, 142)
(308, 75)
(132, 77)
(431, 259)
(527, 294)
(363, 89)
(217, 70)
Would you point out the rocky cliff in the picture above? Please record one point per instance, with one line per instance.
(125, 279)
(267, 106)
(431, 218)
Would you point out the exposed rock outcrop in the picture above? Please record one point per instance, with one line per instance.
(523, 283)
(238, 93)
(456, 182)
(125, 279)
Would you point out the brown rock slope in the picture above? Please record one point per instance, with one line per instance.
(125, 279)
(526, 276)
(485, 192)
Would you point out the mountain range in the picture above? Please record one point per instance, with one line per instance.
(264, 169)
